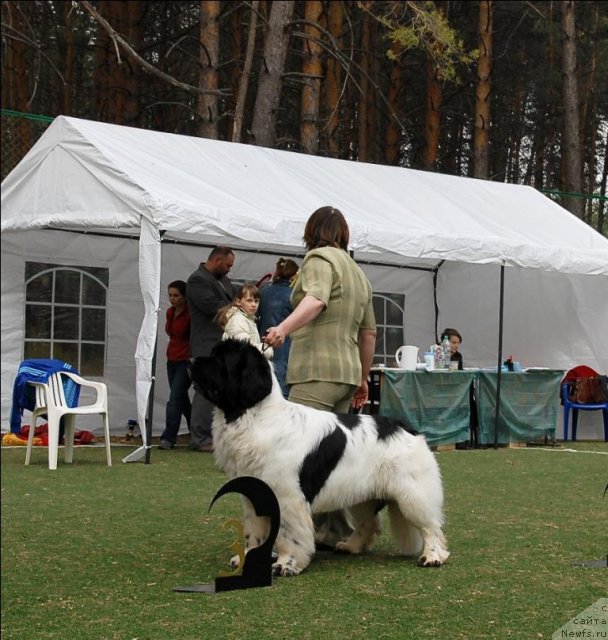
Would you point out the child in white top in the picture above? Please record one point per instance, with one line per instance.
(238, 318)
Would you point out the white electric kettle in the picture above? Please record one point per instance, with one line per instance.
(407, 357)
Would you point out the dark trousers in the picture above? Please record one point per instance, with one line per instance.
(179, 403)
(200, 423)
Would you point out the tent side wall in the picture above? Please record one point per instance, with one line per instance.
(551, 320)
(539, 311)
(124, 309)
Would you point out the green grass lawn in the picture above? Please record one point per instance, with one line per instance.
(92, 552)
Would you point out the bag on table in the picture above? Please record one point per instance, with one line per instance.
(592, 390)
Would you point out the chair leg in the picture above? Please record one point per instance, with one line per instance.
(106, 431)
(566, 418)
(605, 413)
(68, 437)
(574, 423)
(30, 440)
(53, 423)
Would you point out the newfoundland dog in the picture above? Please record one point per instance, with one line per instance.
(316, 461)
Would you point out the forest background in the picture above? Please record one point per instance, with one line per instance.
(501, 90)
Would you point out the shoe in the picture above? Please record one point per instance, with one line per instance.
(165, 444)
(206, 448)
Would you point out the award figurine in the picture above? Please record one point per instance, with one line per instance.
(256, 566)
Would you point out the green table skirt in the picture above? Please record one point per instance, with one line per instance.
(434, 403)
(438, 404)
(528, 405)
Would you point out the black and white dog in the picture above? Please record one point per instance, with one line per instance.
(316, 461)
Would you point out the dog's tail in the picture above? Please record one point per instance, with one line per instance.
(406, 535)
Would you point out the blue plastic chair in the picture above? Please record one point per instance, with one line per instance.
(576, 406)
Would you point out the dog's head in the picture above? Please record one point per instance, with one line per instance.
(235, 377)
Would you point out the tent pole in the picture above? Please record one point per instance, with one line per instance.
(150, 411)
(499, 367)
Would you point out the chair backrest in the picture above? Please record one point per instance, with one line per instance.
(56, 391)
(580, 371)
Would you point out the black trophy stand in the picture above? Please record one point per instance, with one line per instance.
(257, 563)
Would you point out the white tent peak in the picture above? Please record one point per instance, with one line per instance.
(91, 175)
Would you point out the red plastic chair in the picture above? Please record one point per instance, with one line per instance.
(582, 371)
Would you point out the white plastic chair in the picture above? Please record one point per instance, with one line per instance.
(50, 400)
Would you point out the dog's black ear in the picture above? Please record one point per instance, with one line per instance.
(206, 378)
(246, 375)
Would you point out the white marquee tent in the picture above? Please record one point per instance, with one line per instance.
(112, 196)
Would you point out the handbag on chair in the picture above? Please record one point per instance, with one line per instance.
(593, 390)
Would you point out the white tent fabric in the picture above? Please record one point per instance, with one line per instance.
(93, 176)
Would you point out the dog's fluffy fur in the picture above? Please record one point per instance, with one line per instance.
(316, 461)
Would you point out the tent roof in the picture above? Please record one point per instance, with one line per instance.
(93, 176)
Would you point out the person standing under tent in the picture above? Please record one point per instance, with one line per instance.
(177, 327)
(275, 306)
(207, 290)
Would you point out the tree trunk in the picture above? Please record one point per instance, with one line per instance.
(571, 146)
(392, 142)
(69, 60)
(208, 75)
(266, 109)
(101, 68)
(311, 68)
(433, 116)
(333, 80)
(601, 216)
(481, 164)
(364, 85)
(245, 74)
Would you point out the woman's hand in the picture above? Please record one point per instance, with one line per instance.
(360, 397)
(275, 337)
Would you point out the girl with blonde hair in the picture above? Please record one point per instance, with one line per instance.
(238, 319)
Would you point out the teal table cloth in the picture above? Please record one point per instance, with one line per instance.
(529, 403)
(434, 403)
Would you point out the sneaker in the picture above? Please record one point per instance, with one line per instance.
(165, 444)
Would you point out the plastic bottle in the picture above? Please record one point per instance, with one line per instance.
(436, 349)
(447, 351)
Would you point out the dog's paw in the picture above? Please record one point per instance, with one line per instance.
(424, 561)
(235, 562)
(345, 547)
(280, 570)
(285, 567)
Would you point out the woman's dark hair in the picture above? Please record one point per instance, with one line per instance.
(326, 227)
(180, 285)
(286, 269)
(450, 333)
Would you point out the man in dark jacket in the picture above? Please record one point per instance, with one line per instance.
(207, 290)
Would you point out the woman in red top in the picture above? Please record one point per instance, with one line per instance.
(177, 327)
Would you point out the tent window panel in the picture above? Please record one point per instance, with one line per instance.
(92, 359)
(67, 287)
(68, 352)
(390, 326)
(66, 315)
(37, 321)
(93, 292)
(93, 324)
(394, 339)
(37, 350)
(66, 325)
(394, 310)
(40, 289)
